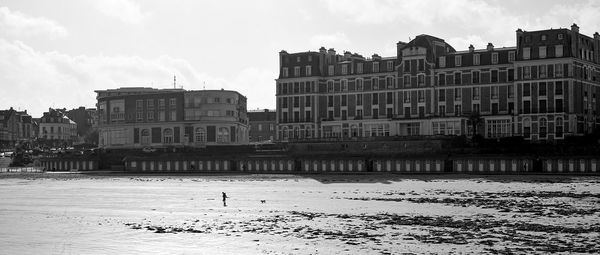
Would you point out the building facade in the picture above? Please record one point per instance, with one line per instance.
(262, 125)
(15, 126)
(148, 117)
(543, 89)
(87, 123)
(56, 129)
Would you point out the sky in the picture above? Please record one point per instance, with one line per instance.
(56, 53)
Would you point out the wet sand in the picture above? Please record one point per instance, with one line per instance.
(322, 214)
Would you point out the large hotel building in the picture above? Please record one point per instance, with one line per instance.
(148, 117)
(544, 89)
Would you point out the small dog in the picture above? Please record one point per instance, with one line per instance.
(262, 201)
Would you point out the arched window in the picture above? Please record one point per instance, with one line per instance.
(223, 136)
(559, 124)
(526, 128)
(168, 136)
(543, 127)
(145, 136)
(200, 135)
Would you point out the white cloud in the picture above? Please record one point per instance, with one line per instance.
(54, 79)
(462, 43)
(125, 11)
(17, 24)
(329, 40)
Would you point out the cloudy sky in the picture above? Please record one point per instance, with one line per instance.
(56, 53)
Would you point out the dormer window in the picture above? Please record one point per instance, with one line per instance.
(458, 60)
(476, 59)
(375, 67)
(543, 37)
(298, 59)
(560, 36)
(495, 58)
(390, 66)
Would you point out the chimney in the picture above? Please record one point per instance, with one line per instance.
(376, 57)
(331, 51)
(347, 54)
(490, 46)
(471, 48)
(322, 50)
(575, 28)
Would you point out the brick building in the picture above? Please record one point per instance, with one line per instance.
(262, 125)
(148, 117)
(542, 89)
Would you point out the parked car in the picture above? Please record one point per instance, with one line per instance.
(148, 149)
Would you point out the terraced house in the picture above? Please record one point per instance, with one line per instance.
(139, 117)
(543, 89)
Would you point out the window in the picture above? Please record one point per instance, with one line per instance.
(330, 101)
(329, 86)
(526, 53)
(559, 122)
(307, 116)
(139, 116)
(475, 77)
(475, 93)
(526, 89)
(389, 81)
(421, 80)
(139, 104)
(375, 83)
(359, 113)
(543, 37)
(145, 136)
(457, 78)
(375, 67)
(406, 66)
(331, 70)
(172, 102)
(168, 136)
(296, 101)
(390, 66)
(297, 59)
(511, 91)
(527, 72)
(476, 108)
(389, 98)
(495, 92)
(359, 99)
(457, 93)
(344, 100)
(526, 128)
(307, 101)
(217, 100)
(150, 104)
(406, 80)
(308, 70)
(223, 135)
(558, 105)
(344, 85)
(442, 95)
(284, 72)
(421, 63)
(161, 116)
(560, 36)
(494, 76)
(375, 98)
(511, 56)
(558, 51)
(406, 96)
(542, 50)
(150, 116)
(558, 70)
(542, 106)
(543, 127)
(457, 109)
(442, 110)
(510, 74)
(542, 70)
(458, 60)
(558, 88)
(359, 84)
(359, 68)
(296, 71)
(200, 135)
(375, 113)
(161, 104)
(476, 59)
(495, 58)
(344, 69)
(421, 95)
(526, 106)
(441, 79)
(442, 62)
(542, 89)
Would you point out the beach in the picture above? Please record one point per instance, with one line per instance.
(293, 214)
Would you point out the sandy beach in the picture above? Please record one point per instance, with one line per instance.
(322, 214)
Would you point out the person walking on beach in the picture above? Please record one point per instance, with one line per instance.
(224, 199)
